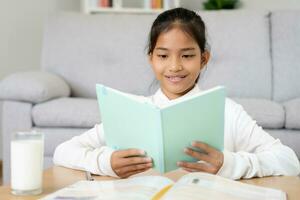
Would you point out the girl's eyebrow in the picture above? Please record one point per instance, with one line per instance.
(183, 49)
(161, 48)
(187, 49)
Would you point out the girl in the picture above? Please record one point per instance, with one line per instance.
(177, 55)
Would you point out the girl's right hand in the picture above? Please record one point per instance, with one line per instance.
(129, 162)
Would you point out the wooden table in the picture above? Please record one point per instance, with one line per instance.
(58, 177)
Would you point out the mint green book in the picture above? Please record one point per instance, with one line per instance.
(131, 122)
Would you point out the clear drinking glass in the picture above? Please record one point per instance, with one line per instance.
(27, 150)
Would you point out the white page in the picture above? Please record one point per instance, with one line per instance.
(137, 188)
(206, 186)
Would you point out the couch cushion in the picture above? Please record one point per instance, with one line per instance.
(292, 109)
(33, 86)
(268, 114)
(290, 138)
(286, 51)
(240, 53)
(66, 112)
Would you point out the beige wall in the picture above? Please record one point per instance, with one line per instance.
(271, 4)
(21, 26)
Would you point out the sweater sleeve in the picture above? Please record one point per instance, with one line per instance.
(256, 153)
(86, 152)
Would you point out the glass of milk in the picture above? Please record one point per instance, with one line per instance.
(27, 150)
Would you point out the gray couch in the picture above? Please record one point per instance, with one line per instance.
(255, 54)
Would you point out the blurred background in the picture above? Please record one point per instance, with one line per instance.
(21, 25)
(22, 22)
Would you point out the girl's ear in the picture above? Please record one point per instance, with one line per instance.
(204, 58)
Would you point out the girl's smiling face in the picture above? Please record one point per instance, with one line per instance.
(177, 61)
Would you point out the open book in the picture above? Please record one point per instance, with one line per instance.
(197, 185)
(131, 121)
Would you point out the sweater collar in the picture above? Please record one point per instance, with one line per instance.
(160, 99)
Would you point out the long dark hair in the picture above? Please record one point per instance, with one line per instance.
(187, 20)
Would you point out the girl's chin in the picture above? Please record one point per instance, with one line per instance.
(177, 90)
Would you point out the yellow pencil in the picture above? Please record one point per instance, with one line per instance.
(161, 193)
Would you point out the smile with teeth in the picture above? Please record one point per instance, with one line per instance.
(175, 79)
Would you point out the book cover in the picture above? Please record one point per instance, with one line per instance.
(131, 121)
(103, 3)
(147, 4)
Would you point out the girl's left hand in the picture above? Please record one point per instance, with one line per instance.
(212, 157)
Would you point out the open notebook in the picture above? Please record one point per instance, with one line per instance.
(197, 185)
(163, 132)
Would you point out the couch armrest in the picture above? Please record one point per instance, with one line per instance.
(33, 87)
(14, 116)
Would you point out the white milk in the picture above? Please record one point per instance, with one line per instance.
(26, 164)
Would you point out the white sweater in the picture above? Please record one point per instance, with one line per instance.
(249, 150)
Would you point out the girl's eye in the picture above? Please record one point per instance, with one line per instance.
(162, 56)
(188, 56)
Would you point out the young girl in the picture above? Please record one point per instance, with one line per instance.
(177, 53)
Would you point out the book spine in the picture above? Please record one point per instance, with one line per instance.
(156, 4)
(147, 4)
(117, 4)
(162, 164)
(159, 4)
(166, 4)
(153, 4)
(103, 3)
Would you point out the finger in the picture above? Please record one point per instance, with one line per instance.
(130, 152)
(189, 170)
(201, 145)
(197, 166)
(199, 156)
(131, 168)
(135, 172)
(132, 161)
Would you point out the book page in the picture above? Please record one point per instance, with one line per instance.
(201, 118)
(206, 186)
(139, 188)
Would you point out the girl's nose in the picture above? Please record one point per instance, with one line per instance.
(176, 66)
